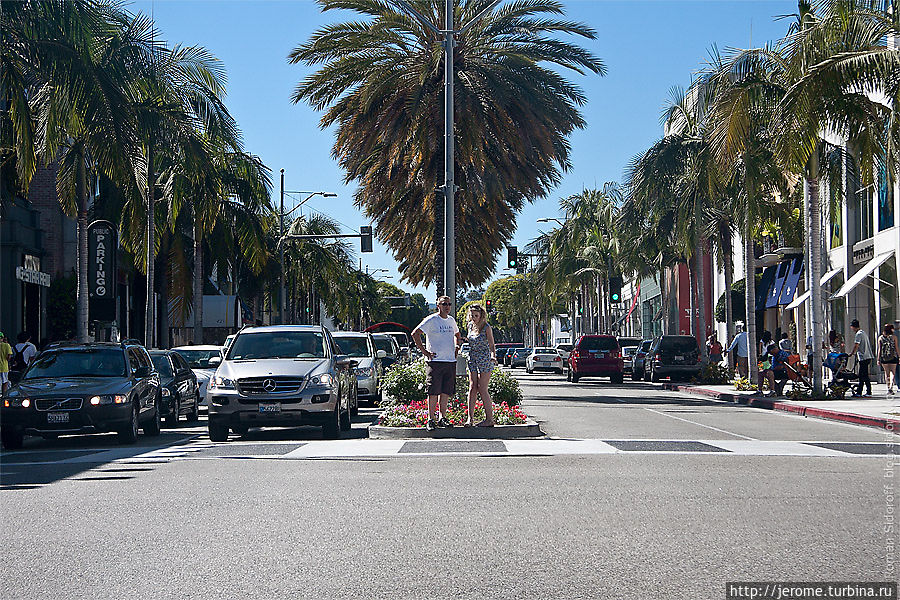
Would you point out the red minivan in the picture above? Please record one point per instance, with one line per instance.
(596, 356)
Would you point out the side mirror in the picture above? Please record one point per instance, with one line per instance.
(380, 354)
(142, 372)
(215, 361)
(342, 360)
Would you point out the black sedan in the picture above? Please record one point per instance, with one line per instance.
(178, 386)
(84, 388)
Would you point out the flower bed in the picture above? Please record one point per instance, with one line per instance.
(415, 414)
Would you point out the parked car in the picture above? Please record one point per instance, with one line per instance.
(638, 361)
(284, 376)
(672, 356)
(407, 348)
(518, 356)
(200, 359)
(389, 344)
(501, 355)
(544, 359)
(564, 350)
(84, 388)
(361, 348)
(178, 387)
(596, 356)
(628, 353)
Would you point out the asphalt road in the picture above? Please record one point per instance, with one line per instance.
(180, 517)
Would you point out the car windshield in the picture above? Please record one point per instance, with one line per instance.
(678, 344)
(599, 343)
(645, 345)
(402, 339)
(277, 344)
(355, 347)
(545, 351)
(384, 344)
(82, 362)
(161, 363)
(198, 359)
(523, 351)
(565, 347)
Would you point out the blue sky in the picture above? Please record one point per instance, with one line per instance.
(648, 46)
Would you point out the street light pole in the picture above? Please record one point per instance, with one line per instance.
(281, 249)
(449, 162)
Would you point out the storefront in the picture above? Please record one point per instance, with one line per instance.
(24, 287)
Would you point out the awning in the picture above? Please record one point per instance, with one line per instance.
(775, 291)
(867, 270)
(803, 297)
(764, 289)
(790, 284)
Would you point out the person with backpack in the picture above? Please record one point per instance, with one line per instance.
(887, 356)
(23, 353)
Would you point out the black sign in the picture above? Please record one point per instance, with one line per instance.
(102, 252)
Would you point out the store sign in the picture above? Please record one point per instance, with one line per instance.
(863, 251)
(102, 252)
(32, 276)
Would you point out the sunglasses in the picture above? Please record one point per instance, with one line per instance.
(443, 304)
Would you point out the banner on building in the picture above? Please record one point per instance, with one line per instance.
(103, 247)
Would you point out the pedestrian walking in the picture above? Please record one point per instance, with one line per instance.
(6, 354)
(23, 353)
(785, 343)
(714, 349)
(481, 363)
(740, 352)
(862, 348)
(442, 342)
(887, 356)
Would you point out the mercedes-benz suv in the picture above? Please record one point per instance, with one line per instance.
(283, 376)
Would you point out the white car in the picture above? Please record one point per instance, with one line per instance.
(564, 350)
(361, 348)
(544, 359)
(199, 359)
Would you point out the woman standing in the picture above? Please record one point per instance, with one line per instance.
(482, 358)
(714, 349)
(887, 356)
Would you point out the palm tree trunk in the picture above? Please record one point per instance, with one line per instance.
(701, 300)
(81, 304)
(815, 268)
(198, 283)
(162, 335)
(692, 296)
(750, 287)
(729, 282)
(149, 319)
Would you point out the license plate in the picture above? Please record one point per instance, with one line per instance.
(270, 407)
(58, 417)
(679, 358)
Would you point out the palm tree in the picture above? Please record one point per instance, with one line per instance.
(380, 84)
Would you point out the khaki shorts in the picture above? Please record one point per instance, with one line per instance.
(440, 377)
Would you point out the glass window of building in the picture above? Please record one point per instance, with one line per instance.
(836, 232)
(885, 201)
(863, 214)
(887, 291)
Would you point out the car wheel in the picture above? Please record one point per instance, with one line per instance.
(617, 378)
(12, 439)
(654, 377)
(240, 429)
(129, 434)
(646, 375)
(155, 424)
(635, 376)
(194, 415)
(218, 432)
(332, 429)
(172, 417)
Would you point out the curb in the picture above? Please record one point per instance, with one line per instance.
(891, 425)
(530, 429)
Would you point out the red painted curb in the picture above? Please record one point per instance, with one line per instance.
(892, 425)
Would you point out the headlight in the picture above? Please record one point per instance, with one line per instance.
(364, 371)
(165, 392)
(17, 402)
(114, 399)
(325, 379)
(221, 383)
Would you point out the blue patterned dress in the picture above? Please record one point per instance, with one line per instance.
(479, 352)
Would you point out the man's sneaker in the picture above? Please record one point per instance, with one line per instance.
(430, 425)
(443, 422)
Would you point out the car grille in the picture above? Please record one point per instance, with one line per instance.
(252, 386)
(58, 403)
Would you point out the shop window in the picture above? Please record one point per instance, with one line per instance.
(836, 231)
(885, 201)
(887, 287)
(838, 306)
(863, 214)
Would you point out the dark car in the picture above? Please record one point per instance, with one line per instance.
(596, 356)
(178, 386)
(501, 355)
(391, 349)
(517, 357)
(638, 361)
(84, 388)
(673, 356)
(628, 342)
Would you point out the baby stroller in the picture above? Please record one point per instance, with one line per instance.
(841, 376)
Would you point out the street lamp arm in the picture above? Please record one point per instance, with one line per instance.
(407, 7)
(478, 17)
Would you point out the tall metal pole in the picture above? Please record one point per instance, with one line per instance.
(281, 249)
(449, 163)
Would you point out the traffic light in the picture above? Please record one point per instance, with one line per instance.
(615, 289)
(488, 304)
(512, 257)
(365, 241)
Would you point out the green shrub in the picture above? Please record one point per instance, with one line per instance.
(502, 387)
(404, 383)
(714, 374)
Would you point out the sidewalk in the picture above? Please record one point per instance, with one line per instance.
(879, 410)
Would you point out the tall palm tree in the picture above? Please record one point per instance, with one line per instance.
(380, 84)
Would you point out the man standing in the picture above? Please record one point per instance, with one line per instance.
(740, 347)
(6, 353)
(441, 345)
(863, 349)
(23, 353)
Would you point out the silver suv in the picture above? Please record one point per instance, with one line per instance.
(283, 376)
(361, 348)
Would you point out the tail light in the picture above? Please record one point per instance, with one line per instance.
(656, 357)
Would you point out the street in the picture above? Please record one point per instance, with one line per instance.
(637, 493)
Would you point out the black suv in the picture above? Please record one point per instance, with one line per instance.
(84, 388)
(672, 356)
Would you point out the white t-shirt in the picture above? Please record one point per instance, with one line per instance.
(440, 337)
(28, 352)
